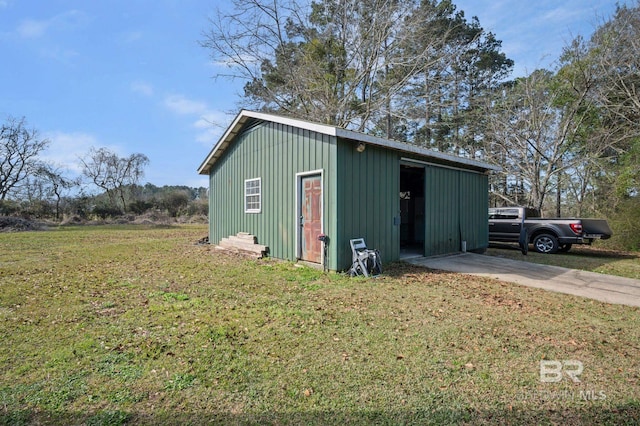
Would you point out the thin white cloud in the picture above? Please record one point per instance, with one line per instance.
(534, 33)
(211, 118)
(131, 36)
(209, 137)
(59, 54)
(210, 127)
(562, 15)
(184, 106)
(37, 28)
(31, 28)
(142, 88)
(66, 148)
(223, 64)
(207, 121)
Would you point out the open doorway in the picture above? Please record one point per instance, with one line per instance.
(412, 209)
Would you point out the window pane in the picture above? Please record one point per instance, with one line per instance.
(252, 188)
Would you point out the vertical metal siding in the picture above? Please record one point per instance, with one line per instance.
(474, 207)
(456, 205)
(368, 199)
(441, 211)
(275, 153)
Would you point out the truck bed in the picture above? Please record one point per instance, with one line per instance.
(596, 227)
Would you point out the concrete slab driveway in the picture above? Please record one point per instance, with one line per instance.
(605, 288)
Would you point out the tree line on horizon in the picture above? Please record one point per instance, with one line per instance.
(108, 187)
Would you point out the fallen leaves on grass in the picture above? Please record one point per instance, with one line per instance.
(147, 322)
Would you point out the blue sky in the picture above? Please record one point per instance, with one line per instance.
(130, 75)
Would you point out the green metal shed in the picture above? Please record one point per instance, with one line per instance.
(286, 181)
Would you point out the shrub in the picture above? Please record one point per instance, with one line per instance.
(140, 206)
(105, 211)
(625, 223)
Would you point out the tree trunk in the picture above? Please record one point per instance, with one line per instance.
(559, 196)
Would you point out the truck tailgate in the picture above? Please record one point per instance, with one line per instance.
(596, 227)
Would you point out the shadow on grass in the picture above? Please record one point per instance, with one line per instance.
(402, 269)
(628, 414)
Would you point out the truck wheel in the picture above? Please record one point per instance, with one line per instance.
(545, 243)
(565, 248)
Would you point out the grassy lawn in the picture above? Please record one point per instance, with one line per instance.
(586, 258)
(117, 325)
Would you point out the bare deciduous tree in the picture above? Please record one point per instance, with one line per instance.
(56, 184)
(616, 54)
(244, 42)
(533, 128)
(341, 62)
(112, 173)
(19, 150)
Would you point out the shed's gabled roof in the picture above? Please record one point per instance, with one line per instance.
(244, 115)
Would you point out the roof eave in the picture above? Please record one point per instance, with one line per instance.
(241, 118)
(414, 149)
(239, 121)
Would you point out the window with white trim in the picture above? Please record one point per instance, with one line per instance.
(253, 195)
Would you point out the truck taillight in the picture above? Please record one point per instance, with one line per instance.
(576, 227)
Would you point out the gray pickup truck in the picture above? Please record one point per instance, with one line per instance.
(546, 235)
